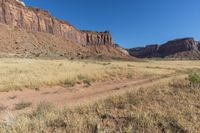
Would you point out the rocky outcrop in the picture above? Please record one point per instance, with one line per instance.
(17, 42)
(98, 37)
(145, 52)
(16, 14)
(21, 2)
(178, 45)
(176, 48)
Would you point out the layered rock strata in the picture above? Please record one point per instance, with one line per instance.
(16, 14)
(174, 48)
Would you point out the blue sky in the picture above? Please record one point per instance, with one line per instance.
(131, 22)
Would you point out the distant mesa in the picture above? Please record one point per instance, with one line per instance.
(199, 46)
(179, 48)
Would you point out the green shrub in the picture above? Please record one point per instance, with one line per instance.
(194, 78)
(69, 83)
(86, 80)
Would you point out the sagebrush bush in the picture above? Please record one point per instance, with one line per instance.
(194, 78)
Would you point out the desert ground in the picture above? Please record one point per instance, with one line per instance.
(103, 71)
(61, 95)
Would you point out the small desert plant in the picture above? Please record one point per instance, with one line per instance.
(179, 83)
(106, 63)
(87, 82)
(22, 105)
(69, 83)
(43, 108)
(129, 76)
(84, 79)
(194, 78)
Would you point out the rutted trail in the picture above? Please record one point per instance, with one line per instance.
(74, 96)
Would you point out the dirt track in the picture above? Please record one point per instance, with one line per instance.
(74, 96)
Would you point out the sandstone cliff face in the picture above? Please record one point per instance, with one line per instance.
(176, 48)
(18, 42)
(34, 19)
(147, 52)
(178, 45)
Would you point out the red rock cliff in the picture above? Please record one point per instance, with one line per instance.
(34, 19)
(178, 45)
(173, 48)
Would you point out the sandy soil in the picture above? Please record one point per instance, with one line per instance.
(65, 96)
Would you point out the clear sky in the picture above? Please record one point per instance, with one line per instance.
(131, 22)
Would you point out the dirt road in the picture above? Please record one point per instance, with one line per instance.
(65, 96)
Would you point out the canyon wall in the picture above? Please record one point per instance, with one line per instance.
(178, 45)
(179, 48)
(145, 52)
(34, 19)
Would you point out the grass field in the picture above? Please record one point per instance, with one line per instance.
(34, 73)
(169, 106)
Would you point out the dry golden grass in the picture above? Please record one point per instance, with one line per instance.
(169, 106)
(34, 73)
